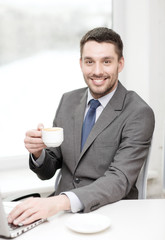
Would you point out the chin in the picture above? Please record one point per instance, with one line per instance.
(97, 94)
(101, 92)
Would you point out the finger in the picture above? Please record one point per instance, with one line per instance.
(32, 218)
(16, 212)
(34, 146)
(35, 151)
(34, 133)
(40, 126)
(25, 215)
(32, 140)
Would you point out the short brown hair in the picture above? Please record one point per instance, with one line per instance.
(103, 34)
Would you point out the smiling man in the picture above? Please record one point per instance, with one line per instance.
(100, 65)
(108, 132)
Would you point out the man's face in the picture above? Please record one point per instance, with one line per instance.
(100, 67)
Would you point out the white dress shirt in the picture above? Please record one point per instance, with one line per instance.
(76, 205)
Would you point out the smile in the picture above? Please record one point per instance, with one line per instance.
(98, 82)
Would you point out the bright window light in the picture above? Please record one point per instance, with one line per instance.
(39, 61)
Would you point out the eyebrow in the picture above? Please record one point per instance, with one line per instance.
(107, 57)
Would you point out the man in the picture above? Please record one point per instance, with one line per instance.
(102, 167)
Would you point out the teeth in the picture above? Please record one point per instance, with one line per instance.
(98, 80)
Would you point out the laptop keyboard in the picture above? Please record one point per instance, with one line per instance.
(13, 227)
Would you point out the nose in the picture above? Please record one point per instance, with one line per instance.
(98, 69)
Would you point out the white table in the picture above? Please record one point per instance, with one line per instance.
(131, 220)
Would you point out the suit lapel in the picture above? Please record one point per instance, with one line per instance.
(79, 117)
(111, 111)
(103, 121)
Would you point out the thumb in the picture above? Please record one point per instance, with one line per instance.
(40, 126)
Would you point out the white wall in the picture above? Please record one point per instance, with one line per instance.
(141, 25)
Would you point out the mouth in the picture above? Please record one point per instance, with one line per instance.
(98, 81)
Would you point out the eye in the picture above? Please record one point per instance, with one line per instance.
(88, 62)
(107, 61)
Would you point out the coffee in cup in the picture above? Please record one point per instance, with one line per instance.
(52, 137)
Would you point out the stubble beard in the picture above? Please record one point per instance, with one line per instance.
(97, 93)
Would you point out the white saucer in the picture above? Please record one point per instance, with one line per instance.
(88, 222)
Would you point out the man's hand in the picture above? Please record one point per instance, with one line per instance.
(33, 209)
(33, 141)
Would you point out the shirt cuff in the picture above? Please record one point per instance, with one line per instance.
(39, 161)
(76, 205)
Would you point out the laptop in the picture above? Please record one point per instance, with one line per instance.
(10, 230)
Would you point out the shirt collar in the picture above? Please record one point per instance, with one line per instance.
(103, 100)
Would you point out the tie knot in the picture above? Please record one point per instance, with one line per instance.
(94, 103)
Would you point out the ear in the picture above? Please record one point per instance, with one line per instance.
(121, 64)
(81, 63)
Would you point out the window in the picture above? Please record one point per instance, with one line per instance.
(39, 60)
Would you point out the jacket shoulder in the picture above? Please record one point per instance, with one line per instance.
(76, 92)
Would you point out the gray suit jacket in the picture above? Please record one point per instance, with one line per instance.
(108, 166)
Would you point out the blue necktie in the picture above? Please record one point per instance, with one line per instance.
(89, 121)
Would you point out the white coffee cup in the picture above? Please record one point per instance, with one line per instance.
(53, 137)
